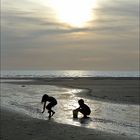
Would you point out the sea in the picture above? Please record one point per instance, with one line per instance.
(69, 73)
(117, 118)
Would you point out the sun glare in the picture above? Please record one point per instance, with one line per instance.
(75, 13)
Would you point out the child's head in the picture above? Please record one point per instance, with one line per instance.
(44, 98)
(81, 102)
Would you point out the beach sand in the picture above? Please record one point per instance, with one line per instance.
(16, 126)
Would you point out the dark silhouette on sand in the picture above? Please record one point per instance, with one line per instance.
(52, 102)
(83, 108)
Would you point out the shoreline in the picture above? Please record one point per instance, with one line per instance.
(17, 126)
(123, 90)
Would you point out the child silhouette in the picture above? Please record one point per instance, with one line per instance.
(83, 108)
(52, 102)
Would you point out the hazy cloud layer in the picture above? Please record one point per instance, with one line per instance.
(32, 39)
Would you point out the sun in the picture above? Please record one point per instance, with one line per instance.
(75, 13)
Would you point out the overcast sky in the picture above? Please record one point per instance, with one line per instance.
(70, 35)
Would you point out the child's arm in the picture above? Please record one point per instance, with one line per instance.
(77, 109)
(44, 106)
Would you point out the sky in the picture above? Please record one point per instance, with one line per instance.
(70, 35)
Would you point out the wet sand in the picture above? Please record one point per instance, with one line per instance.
(120, 90)
(16, 126)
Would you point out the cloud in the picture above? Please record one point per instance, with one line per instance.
(30, 35)
(112, 18)
(120, 8)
